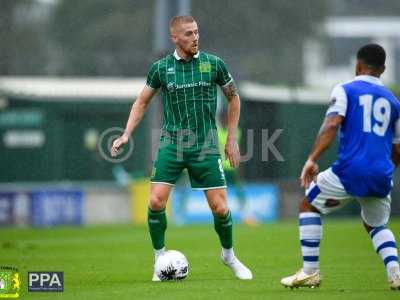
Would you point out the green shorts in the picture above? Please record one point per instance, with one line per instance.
(205, 170)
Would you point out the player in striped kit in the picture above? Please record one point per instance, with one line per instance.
(188, 80)
(368, 116)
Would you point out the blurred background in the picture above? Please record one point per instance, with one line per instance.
(70, 70)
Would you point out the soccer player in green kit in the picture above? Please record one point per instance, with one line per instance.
(188, 80)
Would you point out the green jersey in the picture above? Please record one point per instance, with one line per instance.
(189, 93)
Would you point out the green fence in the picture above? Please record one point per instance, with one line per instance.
(297, 125)
(57, 140)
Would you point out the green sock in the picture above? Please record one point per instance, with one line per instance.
(157, 221)
(223, 226)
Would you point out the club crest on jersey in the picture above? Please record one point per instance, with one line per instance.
(171, 70)
(171, 87)
(332, 102)
(205, 67)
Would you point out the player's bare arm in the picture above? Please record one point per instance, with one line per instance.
(231, 147)
(324, 139)
(137, 111)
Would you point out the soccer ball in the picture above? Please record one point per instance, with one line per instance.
(172, 265)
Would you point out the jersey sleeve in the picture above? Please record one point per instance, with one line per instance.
(153, 77)
(223, 76)
(338, 102)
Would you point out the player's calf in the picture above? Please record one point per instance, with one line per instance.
(385, 245)
(310, 229)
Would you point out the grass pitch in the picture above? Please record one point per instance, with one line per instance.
(116, 262)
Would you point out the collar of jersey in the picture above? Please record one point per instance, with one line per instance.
(370, 79)
(178, 58)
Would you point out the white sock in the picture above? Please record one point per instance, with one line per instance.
(158, 252)
(228, 254)
(385, 245)
(310, 237)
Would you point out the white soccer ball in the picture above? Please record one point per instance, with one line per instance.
(172, 265)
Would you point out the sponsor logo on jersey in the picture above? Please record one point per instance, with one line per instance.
(172, 86)
(205, 67)
(193, 84)
(171, 70)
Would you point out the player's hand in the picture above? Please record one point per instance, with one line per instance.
(309, 173)
(117, 144)
(232, 152)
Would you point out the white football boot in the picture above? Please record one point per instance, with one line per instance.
(394, 278)
(156, 255)
(302, 279)
(239, 269)
(155, 277)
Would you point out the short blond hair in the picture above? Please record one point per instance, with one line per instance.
(179, 20)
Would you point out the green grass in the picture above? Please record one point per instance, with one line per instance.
(115, 262)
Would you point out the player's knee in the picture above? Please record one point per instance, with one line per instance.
(220, 209)
(219, 206)
(305, 206)
(156, 202)
(367, 227)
